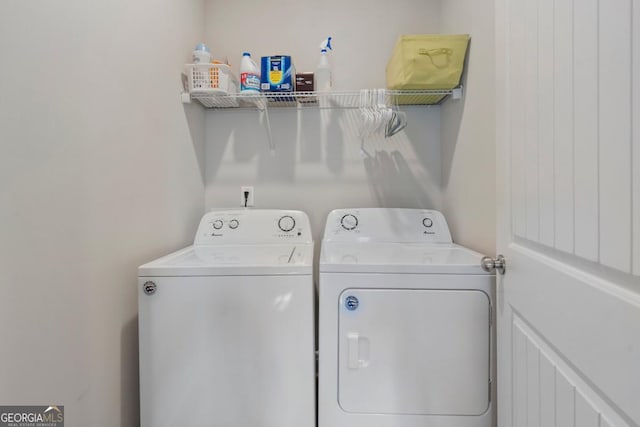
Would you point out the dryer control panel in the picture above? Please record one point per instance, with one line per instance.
(386, 225)
(253, 226)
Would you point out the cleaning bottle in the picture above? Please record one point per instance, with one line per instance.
(322, 76)
(249, 75)
(201, 54)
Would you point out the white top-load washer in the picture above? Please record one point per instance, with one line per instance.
(406, 330)
(226, 326)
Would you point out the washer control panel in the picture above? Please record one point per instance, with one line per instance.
(387, 225)
(247, 226)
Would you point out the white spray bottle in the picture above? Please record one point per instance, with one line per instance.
(322, 77)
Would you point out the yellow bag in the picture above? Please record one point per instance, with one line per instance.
(427, 61)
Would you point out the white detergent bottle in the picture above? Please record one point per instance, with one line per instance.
(322, 77)
(249, 75)
(201, 54)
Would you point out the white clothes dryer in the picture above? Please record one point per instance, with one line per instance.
(226, 326)
(405, 324)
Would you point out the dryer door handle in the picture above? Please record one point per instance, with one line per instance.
(357, 351)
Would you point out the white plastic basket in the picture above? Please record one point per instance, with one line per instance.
(213, 79)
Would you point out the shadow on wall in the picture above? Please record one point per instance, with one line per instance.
(194, 115)
(452, 112)
(320, 160)
(129, 374)
(390, 171)
(315, 129)
(278, 165)
(404, 170)
(451, 121)
(333, 140)
(309, 127)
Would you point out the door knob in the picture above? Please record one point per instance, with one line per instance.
(491, 265)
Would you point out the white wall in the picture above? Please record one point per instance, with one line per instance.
(98, 173)
(318, 164)
(364, 33)
(468, 131)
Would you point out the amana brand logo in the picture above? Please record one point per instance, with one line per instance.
(32, 416)
(351, 303)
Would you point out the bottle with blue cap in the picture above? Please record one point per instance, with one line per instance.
(249, 75)
(322, 76)
(201, 54)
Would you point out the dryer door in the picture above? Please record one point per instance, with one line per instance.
(414, 351)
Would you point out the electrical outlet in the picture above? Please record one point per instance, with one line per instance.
(249, 199)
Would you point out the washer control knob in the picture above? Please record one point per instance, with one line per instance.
(217, 224)
(349, 222)
(427, 222)
(286, 223)
(233, 224)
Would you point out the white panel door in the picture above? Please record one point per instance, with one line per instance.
(568, 113)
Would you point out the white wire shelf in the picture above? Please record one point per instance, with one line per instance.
(338, 99)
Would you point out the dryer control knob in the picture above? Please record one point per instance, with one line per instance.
(233, 224)
(349, 222)
(427, 222)
(286, 223)
(217, 224)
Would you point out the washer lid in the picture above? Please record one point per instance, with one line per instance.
(399, 258)
(233, 260)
